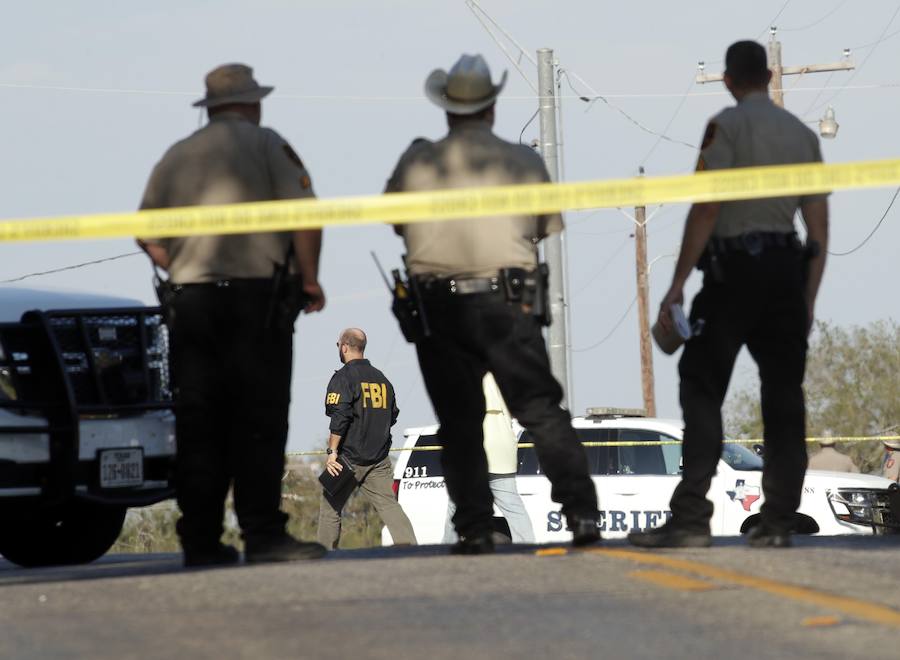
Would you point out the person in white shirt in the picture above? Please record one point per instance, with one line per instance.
(500, 446)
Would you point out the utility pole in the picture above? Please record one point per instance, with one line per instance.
(776, 86)
(554, 249)
(643, 292)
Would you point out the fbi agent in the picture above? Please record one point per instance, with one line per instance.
(361, 404)
(759, 290)
(231, 324)
(477, 284)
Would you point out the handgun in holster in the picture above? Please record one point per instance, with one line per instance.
(711, 262)
(407, 307)
(530, 288)
(287, 298)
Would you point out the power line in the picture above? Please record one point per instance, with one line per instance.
(475, 8)
(871, 233)
(360, 98)
(606, 264)
(814, 23)
(600, 97)
(855, 73)
(877, 41)
(775, 18)
(72, 267)
(527, 124)
(669, 123)
(610, 333)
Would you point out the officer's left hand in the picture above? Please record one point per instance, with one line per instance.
(675, 296)
(315, 297)
(333, 465)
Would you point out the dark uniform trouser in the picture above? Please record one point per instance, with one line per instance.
(232, 381)
(761, 304)
(478, 333)
(375, 482)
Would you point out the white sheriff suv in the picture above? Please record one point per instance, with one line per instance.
(86, 422)
(635, 483)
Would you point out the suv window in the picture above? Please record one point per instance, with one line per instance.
(600, 459)
(660, 459)
(424, 463)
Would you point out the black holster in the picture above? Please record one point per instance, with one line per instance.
(529, 288)
(287, 299)
(407, 307)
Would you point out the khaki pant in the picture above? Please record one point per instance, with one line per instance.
(376, 483)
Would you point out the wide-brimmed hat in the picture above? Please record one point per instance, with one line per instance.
(231, 83)
(893, 444)
(466, 89)
(827, 442)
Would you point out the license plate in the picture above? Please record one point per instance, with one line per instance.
(121, 468)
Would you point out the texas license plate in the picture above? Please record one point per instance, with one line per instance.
(121, 468)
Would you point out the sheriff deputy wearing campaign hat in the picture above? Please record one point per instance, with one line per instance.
(480, 302)
(231, 301)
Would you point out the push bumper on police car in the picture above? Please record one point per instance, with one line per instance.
(86, 429)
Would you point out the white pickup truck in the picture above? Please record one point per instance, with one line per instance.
(86, 422)
(634, 484)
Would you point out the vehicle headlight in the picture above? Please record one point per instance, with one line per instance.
(853, 506)
(7, 388)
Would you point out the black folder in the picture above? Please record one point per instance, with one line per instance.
(344, 479)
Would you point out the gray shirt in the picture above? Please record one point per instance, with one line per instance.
(756, 132)
(471, 156)
(228, 161)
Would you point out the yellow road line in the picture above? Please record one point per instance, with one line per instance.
(854, 607)
(821, 621)
(672, 580)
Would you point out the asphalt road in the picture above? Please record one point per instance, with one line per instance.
(827, 598)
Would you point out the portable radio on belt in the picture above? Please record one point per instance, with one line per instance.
(406, 304)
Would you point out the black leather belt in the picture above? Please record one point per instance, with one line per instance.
(255, 283)
(459, 286)
(753, 243)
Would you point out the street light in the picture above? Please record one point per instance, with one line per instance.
(828, 127)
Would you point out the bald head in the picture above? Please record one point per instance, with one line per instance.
(352, 344)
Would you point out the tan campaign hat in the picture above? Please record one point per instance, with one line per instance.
(893, 444)
(466, 89)
(231, 83)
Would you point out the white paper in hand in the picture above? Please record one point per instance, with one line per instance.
(682, 325)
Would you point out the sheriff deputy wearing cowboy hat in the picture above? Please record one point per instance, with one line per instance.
(230, 326)
(478, 283)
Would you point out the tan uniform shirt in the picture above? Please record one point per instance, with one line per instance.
(500, 442)
(228, 161)
(831, 459)
(756, 132)
(471, 156)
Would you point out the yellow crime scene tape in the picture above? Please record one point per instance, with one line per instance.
(644, 443)
(710, 186)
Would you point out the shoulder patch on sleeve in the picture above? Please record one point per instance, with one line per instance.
(292, 155)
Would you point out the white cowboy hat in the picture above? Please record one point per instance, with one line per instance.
(466, 89)
(231, 83)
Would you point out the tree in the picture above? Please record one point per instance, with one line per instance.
(852, 389)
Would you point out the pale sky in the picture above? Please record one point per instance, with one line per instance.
(93, 92)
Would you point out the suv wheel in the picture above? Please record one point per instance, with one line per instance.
(78, 533)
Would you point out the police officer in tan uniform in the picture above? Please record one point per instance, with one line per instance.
(759, 290)
(231, 323)
(476, 279)
(890, 467)
(829, 458)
